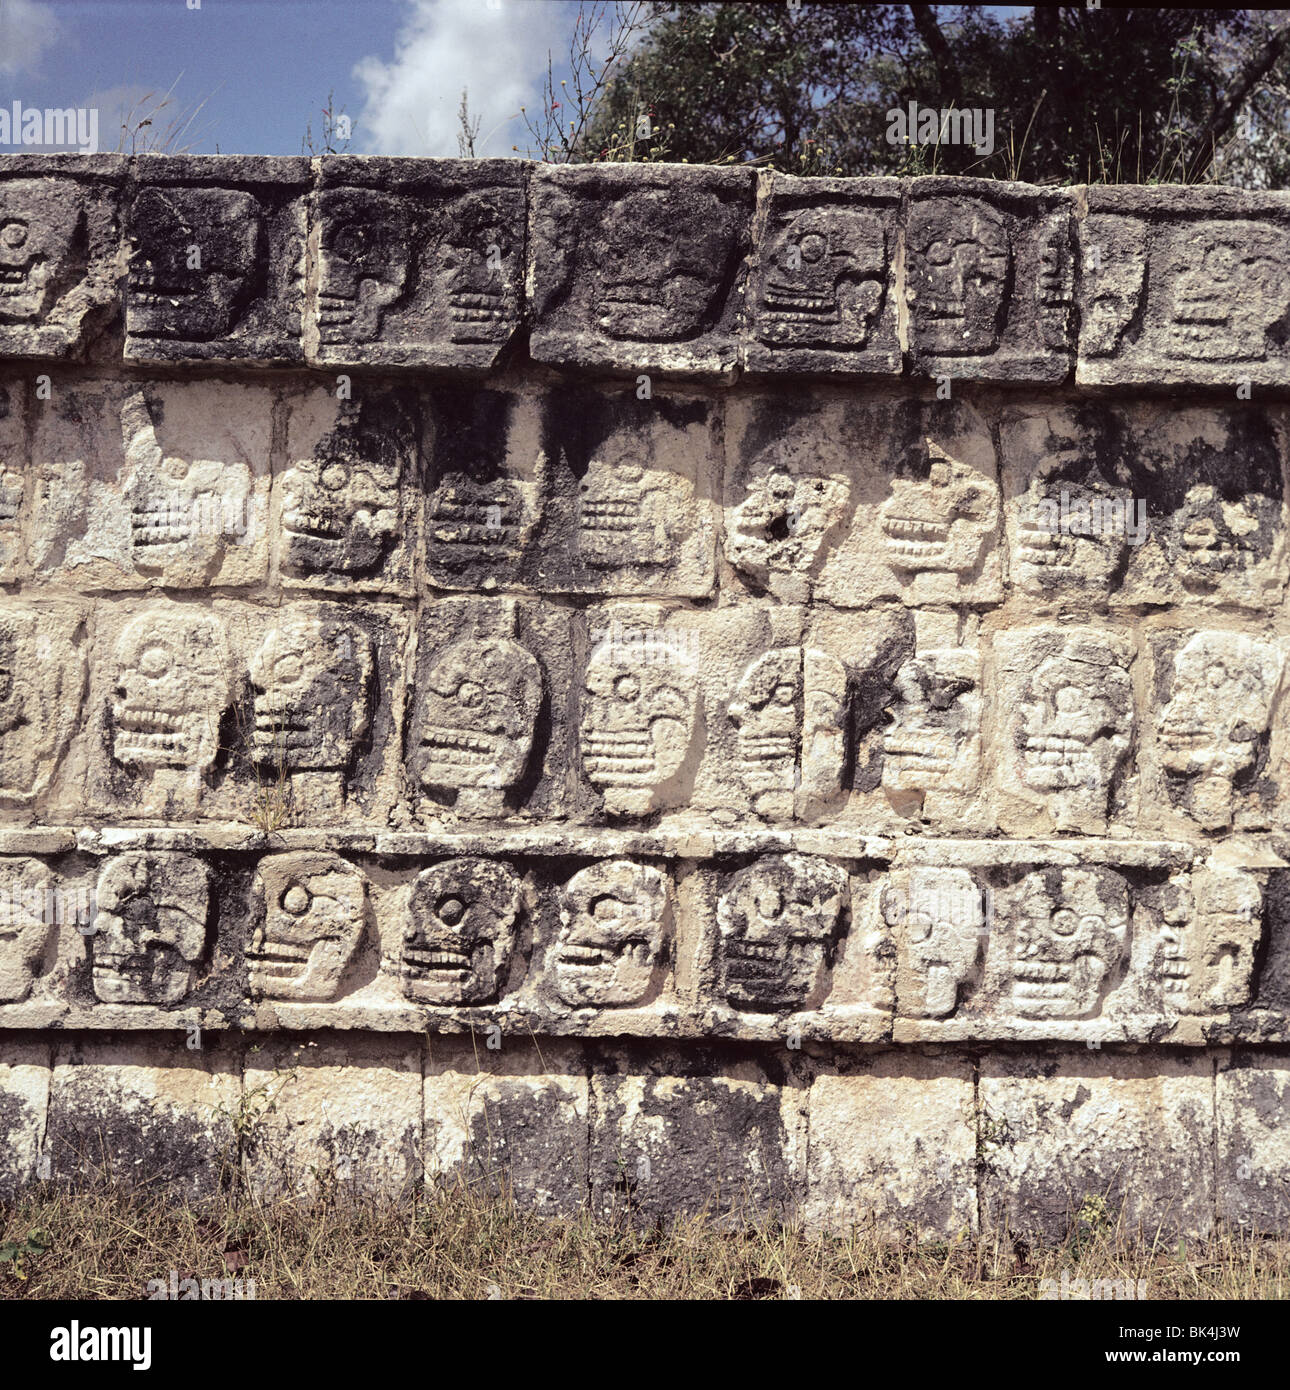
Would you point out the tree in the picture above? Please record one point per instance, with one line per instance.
(1077, 94)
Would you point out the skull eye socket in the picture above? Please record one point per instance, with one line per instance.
(155, 661)
(1065, 921)
(939, 475)
(784, 693)
(812, 246)
(1216, 675)
(627, 687)
(770, 904)
(296, 900)
(470, 694)
(287, 670)
(335, 476)
(13, 234)
(918, 925)
(939, 253)
(176, 468)
(450, 910)
(1091, 922)
(1071, 698)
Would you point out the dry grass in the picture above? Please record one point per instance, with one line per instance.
(457, 1243)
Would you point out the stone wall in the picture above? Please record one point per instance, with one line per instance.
(672, 685)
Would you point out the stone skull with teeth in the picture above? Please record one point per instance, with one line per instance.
(939, 519)
(612, 922)
(40, 220)
(479, 246)
(363, 261)
(934, 739)
(960, 257)
(939, 919)
(458, 946)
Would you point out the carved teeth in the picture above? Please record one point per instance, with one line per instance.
(425, 961)
(622, 757)
(581, 956)
(913, 530)
(312, 524)
(11, 278)
(460, 745)
(149, 721)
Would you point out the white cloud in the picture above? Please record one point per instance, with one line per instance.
(27, 30)
(496, 49)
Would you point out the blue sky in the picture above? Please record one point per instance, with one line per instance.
(261, 70)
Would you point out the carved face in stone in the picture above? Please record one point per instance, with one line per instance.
(664, 262)
(941, 521)
(1070, 926)
(363, 262)
(312, 679)
(152, 911)
(340, 509)
(1228, 289)
(638, 721)
(1071, 533)
(480, 242)
(1076, 720)
(1229, 928)
(958, 274)
(779, 919)
(196, 262)
(938, 916)
(1218, 540)
(624, 509)
(825, 279)
(781, 524)
(934, 739)
(469, 520)
(14, 692)
(26, 925)
(458, 947)
(11, 492)
(612, 920)
(480, 702)
(315, 908)
(1112, 283)
(1055, 286)
(1210, 730)
(172, 689)
(39, 220)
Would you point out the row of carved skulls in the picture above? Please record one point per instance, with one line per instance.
(660, 264)
(780, 921)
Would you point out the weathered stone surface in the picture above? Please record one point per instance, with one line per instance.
(990, 280)
(639, 267)
(61, 260)
(1251, 1161)
(419, 262)
(216, 259)
(822, 284)
(1099, 1139)
(1188, 289)
(24, 1110)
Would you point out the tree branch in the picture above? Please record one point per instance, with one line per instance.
(947, 70)
(1258, 65)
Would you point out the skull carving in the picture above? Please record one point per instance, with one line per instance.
(777, 531)
(1218, 540)
(1071, 926)
(779, 920)
(959, 264)
(612, 920)
(11, 494)
(939, 919)
(1228, 290)
(1073, 729)
(472, 520)
(458, 947)
(363, 261)
(172, 690)
(479, 708)
(340, 508)
(481, 239)
(1072, 532)
(40, 220)
(152, 911)
(625, 513)
(939, 521)
(1055, 286)
(196, 263)
(26, 925)
(1113, 282)
(824, 279)
(312, 678)
(934, 739)
(17, 714)
(314, 908)
(1211, 729)
(1208, 940)
(639, 719)
(790, 711)
(665, 262)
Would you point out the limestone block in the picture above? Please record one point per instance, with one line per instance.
(154, 484)
(514, 1118)
(1179, 288)
(823, 284)
(345, 509)
(216, 259)
(24, 1104)
(706, 1130)
(893, 1146)
(419, 261)
(639, 268)
(1148, 504)
(1118, 1137)
(155, 1113)
(1251, 1088)
(857, 501)
(60, 258)
(344, 1114)
(990, 278)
